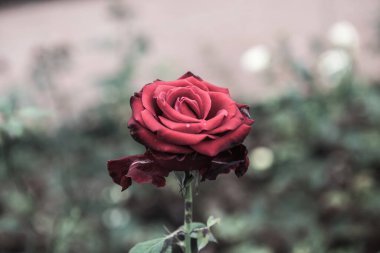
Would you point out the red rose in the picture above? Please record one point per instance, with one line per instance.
(186, 124)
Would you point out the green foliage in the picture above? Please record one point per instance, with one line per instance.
(161, 245)
(203, 233)
(199, 231)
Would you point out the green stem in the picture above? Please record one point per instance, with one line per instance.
(188, 215)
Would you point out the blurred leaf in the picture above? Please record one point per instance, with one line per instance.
(160, 245)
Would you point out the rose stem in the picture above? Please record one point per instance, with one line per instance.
(188, 215)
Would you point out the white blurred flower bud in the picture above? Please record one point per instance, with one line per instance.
(344, 34)
(262, 158)
(335, 61)
(256, 59)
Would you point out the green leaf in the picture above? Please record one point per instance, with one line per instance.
(160, 245)
(212, 221)
(203, 233)
(204, 236)
(196, 225)
(202, 241)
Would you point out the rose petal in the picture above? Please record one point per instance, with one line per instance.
(171, 113)
(147, 96)
(150, 140)
(214, 88)
(190, 74)
(185, 83)
(205, 101)
(179, 92)
(171, 136)
(231, 122)
(194, 128)
(244, 109)
(188, 107)
(137, 108)
(221, 101)
(193, 92)
(194, 80)
(230, 139)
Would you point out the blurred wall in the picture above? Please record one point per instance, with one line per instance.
(206, 37)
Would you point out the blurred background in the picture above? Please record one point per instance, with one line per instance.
(309, 69)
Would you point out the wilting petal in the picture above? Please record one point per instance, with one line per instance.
(145, 171)
(118, 170)
(234, 159)
(137, 168)
(185, 162)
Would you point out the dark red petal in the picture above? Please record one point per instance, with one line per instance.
(230, 139)
(244, 109)
(184, 162)
(146, 170)
(234, 159)
(168, 135)
(138, 168)
(150, 140)
(118, 170)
